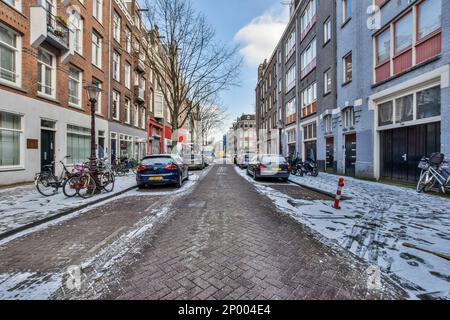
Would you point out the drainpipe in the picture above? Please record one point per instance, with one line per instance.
(108, 102)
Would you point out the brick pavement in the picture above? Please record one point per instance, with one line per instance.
(226, 241)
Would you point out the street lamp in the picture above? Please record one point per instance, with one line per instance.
(280, 127)
(93, 93)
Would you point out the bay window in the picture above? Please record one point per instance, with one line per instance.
(10, 139)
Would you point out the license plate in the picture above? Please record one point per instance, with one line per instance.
(156, 178)
(276, 169)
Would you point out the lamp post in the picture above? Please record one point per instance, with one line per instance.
(280, 133)
(93, 93)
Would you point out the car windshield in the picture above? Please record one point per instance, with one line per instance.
(156, 161)
(273, 159)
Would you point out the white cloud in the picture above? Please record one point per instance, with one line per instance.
(261, 35)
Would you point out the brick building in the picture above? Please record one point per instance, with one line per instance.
(50, 51)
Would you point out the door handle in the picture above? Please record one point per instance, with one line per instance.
(405, 157)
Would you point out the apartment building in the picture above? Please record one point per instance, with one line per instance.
(131, 80)
(242, 137)
(49, 51)
(393, 80)
(266, 107)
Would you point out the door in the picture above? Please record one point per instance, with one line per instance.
(47, 148)
(329, 154)
(311, 150)
(113, 148)
(401, 150)
(350, 155)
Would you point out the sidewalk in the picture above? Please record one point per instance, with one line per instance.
(24, 205)
(376, 223)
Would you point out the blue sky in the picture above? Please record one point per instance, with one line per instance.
(254, 25)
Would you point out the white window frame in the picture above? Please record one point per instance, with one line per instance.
(116, 66)
(80, 89)
(53, 75)
(127, 111)
(116, 98)
(16, 5)
(97, 10)
(96, 50)
(117, 23)
(21, 141)
(17, 58)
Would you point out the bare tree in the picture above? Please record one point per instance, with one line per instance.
(191, 67)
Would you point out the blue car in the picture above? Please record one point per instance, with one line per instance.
(162, 170)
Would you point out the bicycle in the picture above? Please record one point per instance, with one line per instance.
(92, 182)
(124, 166)
(433, 173)
(47, 183)
(73, 184)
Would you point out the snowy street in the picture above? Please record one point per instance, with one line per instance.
(225, 236)
(375, 224)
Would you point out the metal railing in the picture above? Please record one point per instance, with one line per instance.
(58, 29)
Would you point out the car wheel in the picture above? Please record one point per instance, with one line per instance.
(180, 181)
(255, 177)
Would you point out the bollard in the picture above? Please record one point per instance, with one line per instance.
(337, 201)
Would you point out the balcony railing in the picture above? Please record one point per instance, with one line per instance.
(139, 94)
(57, 32)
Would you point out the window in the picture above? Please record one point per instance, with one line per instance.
(310, 132)
(116, 105)
(116, 26)
(419, 105)
(291, 136)
(403, 33)
(346, 10)
(143, 118)
(309, 98)
(16, 4)
(128, 40)
(46, 73)
(290, 108)
(404, 109)
(385, 113)
(116, 66)
(384, 46)
(327, 82)
(290, 78)
(10, 139)
(309, 55)
(349, 118)
(9, 56)
(308, 17)
(348, 68)
(429, 17)
(429, 103)
(327, 31)
(290, 45)
(96, 50)
(97, 9)
(98, 105)
(136, 116)
(127, 75)
(75, 91)
(78, 143)
(77, 25)
(127, 111)
(328, 123)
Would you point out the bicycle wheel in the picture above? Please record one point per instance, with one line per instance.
(71, 186)
(107, 181)
(87, 186)
(46, 184)
(425, 183)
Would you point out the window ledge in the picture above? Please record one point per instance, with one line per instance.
(346, 22)
(48, 98)
(346, 83)
(12, 168)
(12, 86)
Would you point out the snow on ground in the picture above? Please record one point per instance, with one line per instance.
(23, 205)
(375, 224)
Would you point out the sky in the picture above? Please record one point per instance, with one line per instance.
(256, 27)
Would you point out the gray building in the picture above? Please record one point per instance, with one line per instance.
(393, 86)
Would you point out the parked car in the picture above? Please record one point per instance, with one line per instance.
(269, 166)
(244, 159)
(194, 161)
(162, 170)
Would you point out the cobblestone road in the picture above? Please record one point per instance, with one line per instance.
(221, 239)
(226, 241)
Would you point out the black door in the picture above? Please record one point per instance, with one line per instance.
(350, 155)
(329, 161)
(402, 149)
(47, 147)
(311, 150)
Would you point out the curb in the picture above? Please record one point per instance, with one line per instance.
(329, 194)
(60, 214)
